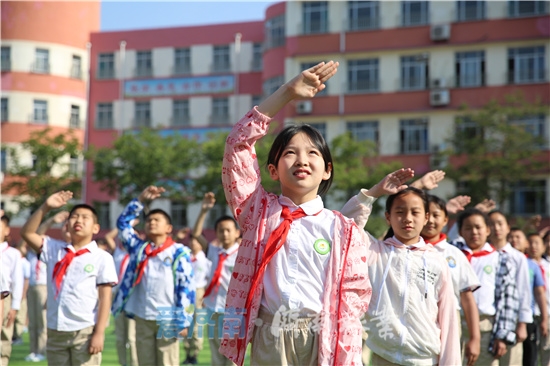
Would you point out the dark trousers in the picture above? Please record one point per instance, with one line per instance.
(530, 346)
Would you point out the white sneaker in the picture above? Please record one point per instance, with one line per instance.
(39, 357)
(31, 357)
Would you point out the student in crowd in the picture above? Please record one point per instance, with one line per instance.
(312, 267)
(518, 240)
(80, 278)
(497, 301)
(499, 239)
(465, 281)
(11, 270)
(21, 320)
(222, 258)
(536, 251)
(38, 292)
(125, 328)
(157, 289)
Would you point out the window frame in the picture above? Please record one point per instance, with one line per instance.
(106, 65)
(358, 21)
(104, 116)
(40, 111)
(466, 61)
(408, 136)
(316, 9)
(358, 67)
(406, 13)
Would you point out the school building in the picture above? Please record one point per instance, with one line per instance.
(405, 69)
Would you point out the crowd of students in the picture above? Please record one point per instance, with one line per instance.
(303, 284)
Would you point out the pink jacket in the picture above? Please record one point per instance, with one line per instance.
(347, 290)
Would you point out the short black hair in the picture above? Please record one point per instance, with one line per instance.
(226, 218)
(5, 219)
(160, 211)
(470, 212)
(86, 207)
(439, 202)
(420, 193)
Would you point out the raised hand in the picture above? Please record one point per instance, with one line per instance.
(457, 204)
(208, 201)
(486, 206)
(429, 180)
(58, 199)
(60, 217)
(311, 81)
(150, 193)
(392, 183)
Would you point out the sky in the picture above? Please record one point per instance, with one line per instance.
(125, 15)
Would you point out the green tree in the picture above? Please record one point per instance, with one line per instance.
(495, 147)
(139, 159)
(50, 171)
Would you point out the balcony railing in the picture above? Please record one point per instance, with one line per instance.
(220, 119)
(181, 69)
(105, 73)
(221, 67)
(363, 86)
(104, 123)
(75, 122)
(364, 23)
(40, 68)
(76, 72)
(143, 71)
(142, 122)
(527, 76)
(6, 65)
(38, 118)
(179, 121)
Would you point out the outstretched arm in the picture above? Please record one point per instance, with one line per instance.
(457, 204)
(208, 202)
(429, 180)
(29, 230)
(58, 218)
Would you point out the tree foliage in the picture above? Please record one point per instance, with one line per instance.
(496, 147)
(50, 172)
(146, 157)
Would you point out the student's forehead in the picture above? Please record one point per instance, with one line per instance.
(301, 139)
(227, 224)
(408, 200)
(475, 219)
(81, 211)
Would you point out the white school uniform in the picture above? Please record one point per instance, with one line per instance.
(295, 276)
(75, 307)
(462, 273)
(201, 269)
(12, 273)
(523, 283)
(215, 301)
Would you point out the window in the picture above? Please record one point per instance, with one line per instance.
(414, 72)
(272, 84)
(6, 58)
(533, 125)
(76, 67)
(415, 13)
(363, 75)
(315, 17)
(321, 127)
(106, 66)
(364, 131)
(180, 113)
(74, 165)
(104, 116)
(103, 214)
(363, 15)
(414, 136)
(466, 130)
(275, 32)
(221, 59)
(41, 61)
(142, 114)
(220, 111)
(3, 160)
(525, 8)
(144, 63)
(470, 10)
(526, 65)
(257, 54)
(182, 61)
(75, 117)
(529, 198)
(178, 213)
(4, 110)
(40, 114)
(470, 69)
(307, 65)
(35, 166)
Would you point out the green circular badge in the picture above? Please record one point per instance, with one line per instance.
(321, 246)
(488, 269)
(89, 268)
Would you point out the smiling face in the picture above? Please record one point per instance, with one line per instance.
(407, 217)
(437, 220)
(300, 169)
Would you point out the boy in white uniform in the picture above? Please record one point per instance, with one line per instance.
(12, 274)
(80, 278)
(223, 260)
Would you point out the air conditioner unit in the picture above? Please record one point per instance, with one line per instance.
(304, 107)
(439, 83)
(439, 97)
(440, 32)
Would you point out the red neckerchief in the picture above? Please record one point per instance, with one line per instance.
(150, 253)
